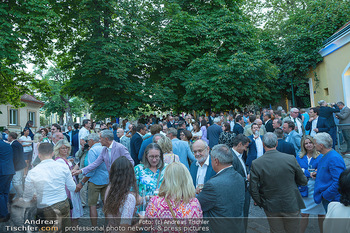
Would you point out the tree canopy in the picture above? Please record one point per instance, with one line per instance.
(169, 55)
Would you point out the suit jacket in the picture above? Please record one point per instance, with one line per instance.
(252, 151)
(269, 127)
(67, 136)
(289, 118)
(273, 182)
(213, 134)
(169, 124)
(295, 139)
(6, 159)
(286, 147)
(238, 129)
(322, 125)
(18, 156)
(135, 145)
(144, 144)
(223, 196)
(116, 151)
(182, 149)
(344, 117)
(303, 162)
(194, 169)
(327, 112)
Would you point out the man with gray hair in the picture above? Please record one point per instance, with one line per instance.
(273, 186)
(344, 118)
(123, 139)
(111, 151)
(181, 148)
(201, 170)
(213, 132)
(98, 178)
(294, 117)
(329, 169)
(223, 194)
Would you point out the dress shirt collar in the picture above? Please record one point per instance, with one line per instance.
(236, 152)
(140, 134)
(110, 146)
(205, 163)
(223, 169)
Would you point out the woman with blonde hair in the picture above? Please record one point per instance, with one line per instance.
(61, 152)
(308, 161)
(167, 148)
(176, 199)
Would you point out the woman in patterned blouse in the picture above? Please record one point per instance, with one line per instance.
(149, 174)
(176, 201)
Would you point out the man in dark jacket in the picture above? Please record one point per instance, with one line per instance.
(273, 186)
(18, 162)
(136, 142)
(327, 112)
(283, 146)
(7, 171)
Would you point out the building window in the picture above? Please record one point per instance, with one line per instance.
(32, 117)
(13, 117)
(326, 92)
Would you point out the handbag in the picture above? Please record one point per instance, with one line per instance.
(173, 214)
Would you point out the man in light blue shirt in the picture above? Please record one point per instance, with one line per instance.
(181, 148)
(98, 178)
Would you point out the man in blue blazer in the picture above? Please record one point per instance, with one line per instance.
(292, 135)
(316, 124)
(255, 148)
(213, 132)
(181, 148)
(136, 142)
(201, 170)
(7, 171)
(283, 146)
(328, 171)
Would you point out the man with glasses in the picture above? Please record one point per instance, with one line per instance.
(294, 117)
(201, 171)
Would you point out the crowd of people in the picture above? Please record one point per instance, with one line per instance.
(185, 168)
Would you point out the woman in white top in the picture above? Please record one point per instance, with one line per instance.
(121, 194)
(26, 142)
(196, 132)
(61, 152)
(338, 214)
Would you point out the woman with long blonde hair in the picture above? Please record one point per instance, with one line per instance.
(176, 199)
(308, 161)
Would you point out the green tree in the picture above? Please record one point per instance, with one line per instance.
(292, 35)
(25, 37)
(209, 57)
(56, 101)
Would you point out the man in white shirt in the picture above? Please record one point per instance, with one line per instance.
(84, 132)
(293, 117)
(240, 144)
(48, 181)
(201, 170)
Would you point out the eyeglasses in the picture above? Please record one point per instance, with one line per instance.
(199, 151)
(154, 157)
